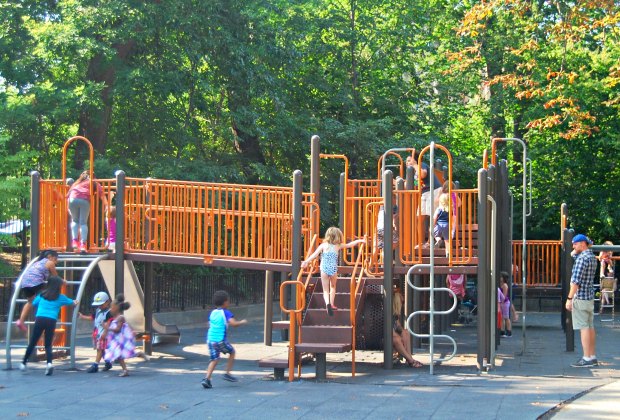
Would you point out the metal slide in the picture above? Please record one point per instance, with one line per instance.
(134, 294)
(67, 263)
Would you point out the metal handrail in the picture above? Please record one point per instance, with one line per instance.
(293, 321)
(392, 152)
(78, 297)
(14, 298)
(432, 312)
(352, 308)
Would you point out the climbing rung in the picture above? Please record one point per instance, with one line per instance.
(21, 300)
(23, 346)
(73, 281)
(72, 268)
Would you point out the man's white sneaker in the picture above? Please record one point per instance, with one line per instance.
(49, 370)
(22, 367)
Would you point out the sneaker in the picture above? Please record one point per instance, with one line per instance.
(75, 244)
(83, 247)
(49, 370)
(94, 368)
(583, 363)
(594, 362)
(19, 324)
(206, 383)
(509, 334)
(502, 334)
(107, 366)
(124, 373)
(22, 367)
(228, 377)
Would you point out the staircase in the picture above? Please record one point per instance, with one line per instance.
(320, 333)
(75, 269)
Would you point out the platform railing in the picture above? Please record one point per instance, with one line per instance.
(542, 260)
(356, 280)
(359, 193)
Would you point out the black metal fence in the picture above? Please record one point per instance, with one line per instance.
(172, 293)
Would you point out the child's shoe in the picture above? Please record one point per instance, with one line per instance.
(228, 377)
(94, 368)
(124, 373)
(22, 367)
(107, 366)
(49, 370)
(75, 245)
(83, 247)
(206, 383)
(330, 311)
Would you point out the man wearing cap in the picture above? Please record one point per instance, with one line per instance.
(580, 299)
(102, 315)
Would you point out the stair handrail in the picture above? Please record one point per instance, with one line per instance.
(353, 294)
(372, 259)
(301, 298)
(11, 315)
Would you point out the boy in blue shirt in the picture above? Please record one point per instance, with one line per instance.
(219, 321)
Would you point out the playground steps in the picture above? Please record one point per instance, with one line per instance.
(321, 333)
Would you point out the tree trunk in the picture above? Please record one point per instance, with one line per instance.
(95, 123)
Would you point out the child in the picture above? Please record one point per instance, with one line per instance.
(48, 305)
(441, 231)
(217, 341)
(456, 283)
(111, 226)
(121, 342)
(33, 281)
(505, 305)
(102, 315)
(607, 264)
(329, 249)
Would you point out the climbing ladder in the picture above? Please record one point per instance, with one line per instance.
(76, 268)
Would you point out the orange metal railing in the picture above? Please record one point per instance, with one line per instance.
(359, 193)
(53, 215)
(542, 260)
(294, 315)
(354, 289)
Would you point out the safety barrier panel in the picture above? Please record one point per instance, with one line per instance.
(233, 221)
(543, 263)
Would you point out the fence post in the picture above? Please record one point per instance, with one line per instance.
(119, 257)
(388, 269)
(35, 213)
(341, 201)
(268, 327)
(483, 267)
(567, 264)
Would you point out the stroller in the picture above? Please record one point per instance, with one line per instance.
(467, 307)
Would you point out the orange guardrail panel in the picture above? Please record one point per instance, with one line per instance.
(543, 263)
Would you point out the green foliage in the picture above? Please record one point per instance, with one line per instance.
(231, 91)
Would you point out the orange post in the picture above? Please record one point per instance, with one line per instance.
(293, 321)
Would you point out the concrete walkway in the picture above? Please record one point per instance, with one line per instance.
(520, 387)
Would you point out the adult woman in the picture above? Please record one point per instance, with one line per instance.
(33, 281)
(79, 207)
(401, 339)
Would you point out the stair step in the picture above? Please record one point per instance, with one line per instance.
(309, 347)
(342, 301)
(273, 363)
(320, 317)
(280, 325)
(326, 333)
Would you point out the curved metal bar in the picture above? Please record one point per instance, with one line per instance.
(9, 327)
(292, 314)
(494, 142)
(78, 297)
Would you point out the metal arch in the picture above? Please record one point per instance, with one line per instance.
(494, 142)
(9, 327)
(78, 297)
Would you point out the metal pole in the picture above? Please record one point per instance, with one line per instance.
(417, 304)
(483, 264)
(493, 279)
(35, 214)
(343, 183)
(568, 266)
(387, 269)
(431, 240)
(315, 168)
(268, 327)
(148, 280)
(409, 175)
(119, 257)
(297, 215)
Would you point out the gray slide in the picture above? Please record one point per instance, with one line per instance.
(135, 296)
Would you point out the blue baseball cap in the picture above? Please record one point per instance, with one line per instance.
(581, 238)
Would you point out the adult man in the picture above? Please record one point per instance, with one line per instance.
(425, 206)
(580, 299)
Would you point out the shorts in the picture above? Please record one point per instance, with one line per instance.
(217, 347)
(425, 206)
(99, 343)
(583, 314)
(441, 231)
(32, 291)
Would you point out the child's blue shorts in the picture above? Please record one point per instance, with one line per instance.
(217, 347)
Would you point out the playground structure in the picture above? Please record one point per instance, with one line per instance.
(269, 228)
